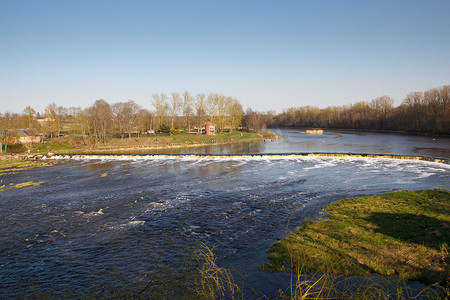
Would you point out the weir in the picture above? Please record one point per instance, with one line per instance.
(249, 156)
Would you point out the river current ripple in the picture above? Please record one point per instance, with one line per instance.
(91, 217)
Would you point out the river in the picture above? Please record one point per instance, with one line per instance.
(332, 141)
(125, 215)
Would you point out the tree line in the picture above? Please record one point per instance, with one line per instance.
(95, 123)
(419, 112)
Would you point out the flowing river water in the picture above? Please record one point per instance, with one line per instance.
(125, 214)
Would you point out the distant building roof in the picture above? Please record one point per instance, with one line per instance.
(28, 132)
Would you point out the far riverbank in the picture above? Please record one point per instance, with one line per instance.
(356, 141)
(292, 141)
(142, 144)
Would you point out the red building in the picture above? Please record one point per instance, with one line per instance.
(210, 128)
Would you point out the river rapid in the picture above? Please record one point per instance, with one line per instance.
(125, 214)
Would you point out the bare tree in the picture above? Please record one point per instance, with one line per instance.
(210, 106)
(187, 109)
(51, 122)
(200, 104)
(61, 115)
(360, 112)
(443, 102)
(414, 107)
(4, 126)
(159, 101)
(382, 107)
(175, 103)
(100, 119)
(144, 120)
(81, 124)
(235, 113)
(29, 118)
(220, 106)
(7, 135)
(125, 116)
(119, 117)
(252, 120)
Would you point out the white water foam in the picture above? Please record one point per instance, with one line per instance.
(323, 163)
(323, 157)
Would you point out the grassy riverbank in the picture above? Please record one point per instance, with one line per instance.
(404, 233)
(78, 144)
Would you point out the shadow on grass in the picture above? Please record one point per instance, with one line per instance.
(412, 228)
(423, 231)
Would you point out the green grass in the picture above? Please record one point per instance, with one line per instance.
(190, 139)
(45, 147)
(77, 144)
(12, 166)
(151, 142)
(20, 185)
(404, 233)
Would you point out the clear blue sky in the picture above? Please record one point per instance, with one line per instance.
(271, 55)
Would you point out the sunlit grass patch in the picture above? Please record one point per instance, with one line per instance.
(404, 233)
(20, 185)
(58, 144)
(15, 165)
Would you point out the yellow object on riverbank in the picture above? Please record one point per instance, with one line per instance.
(314, 131)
